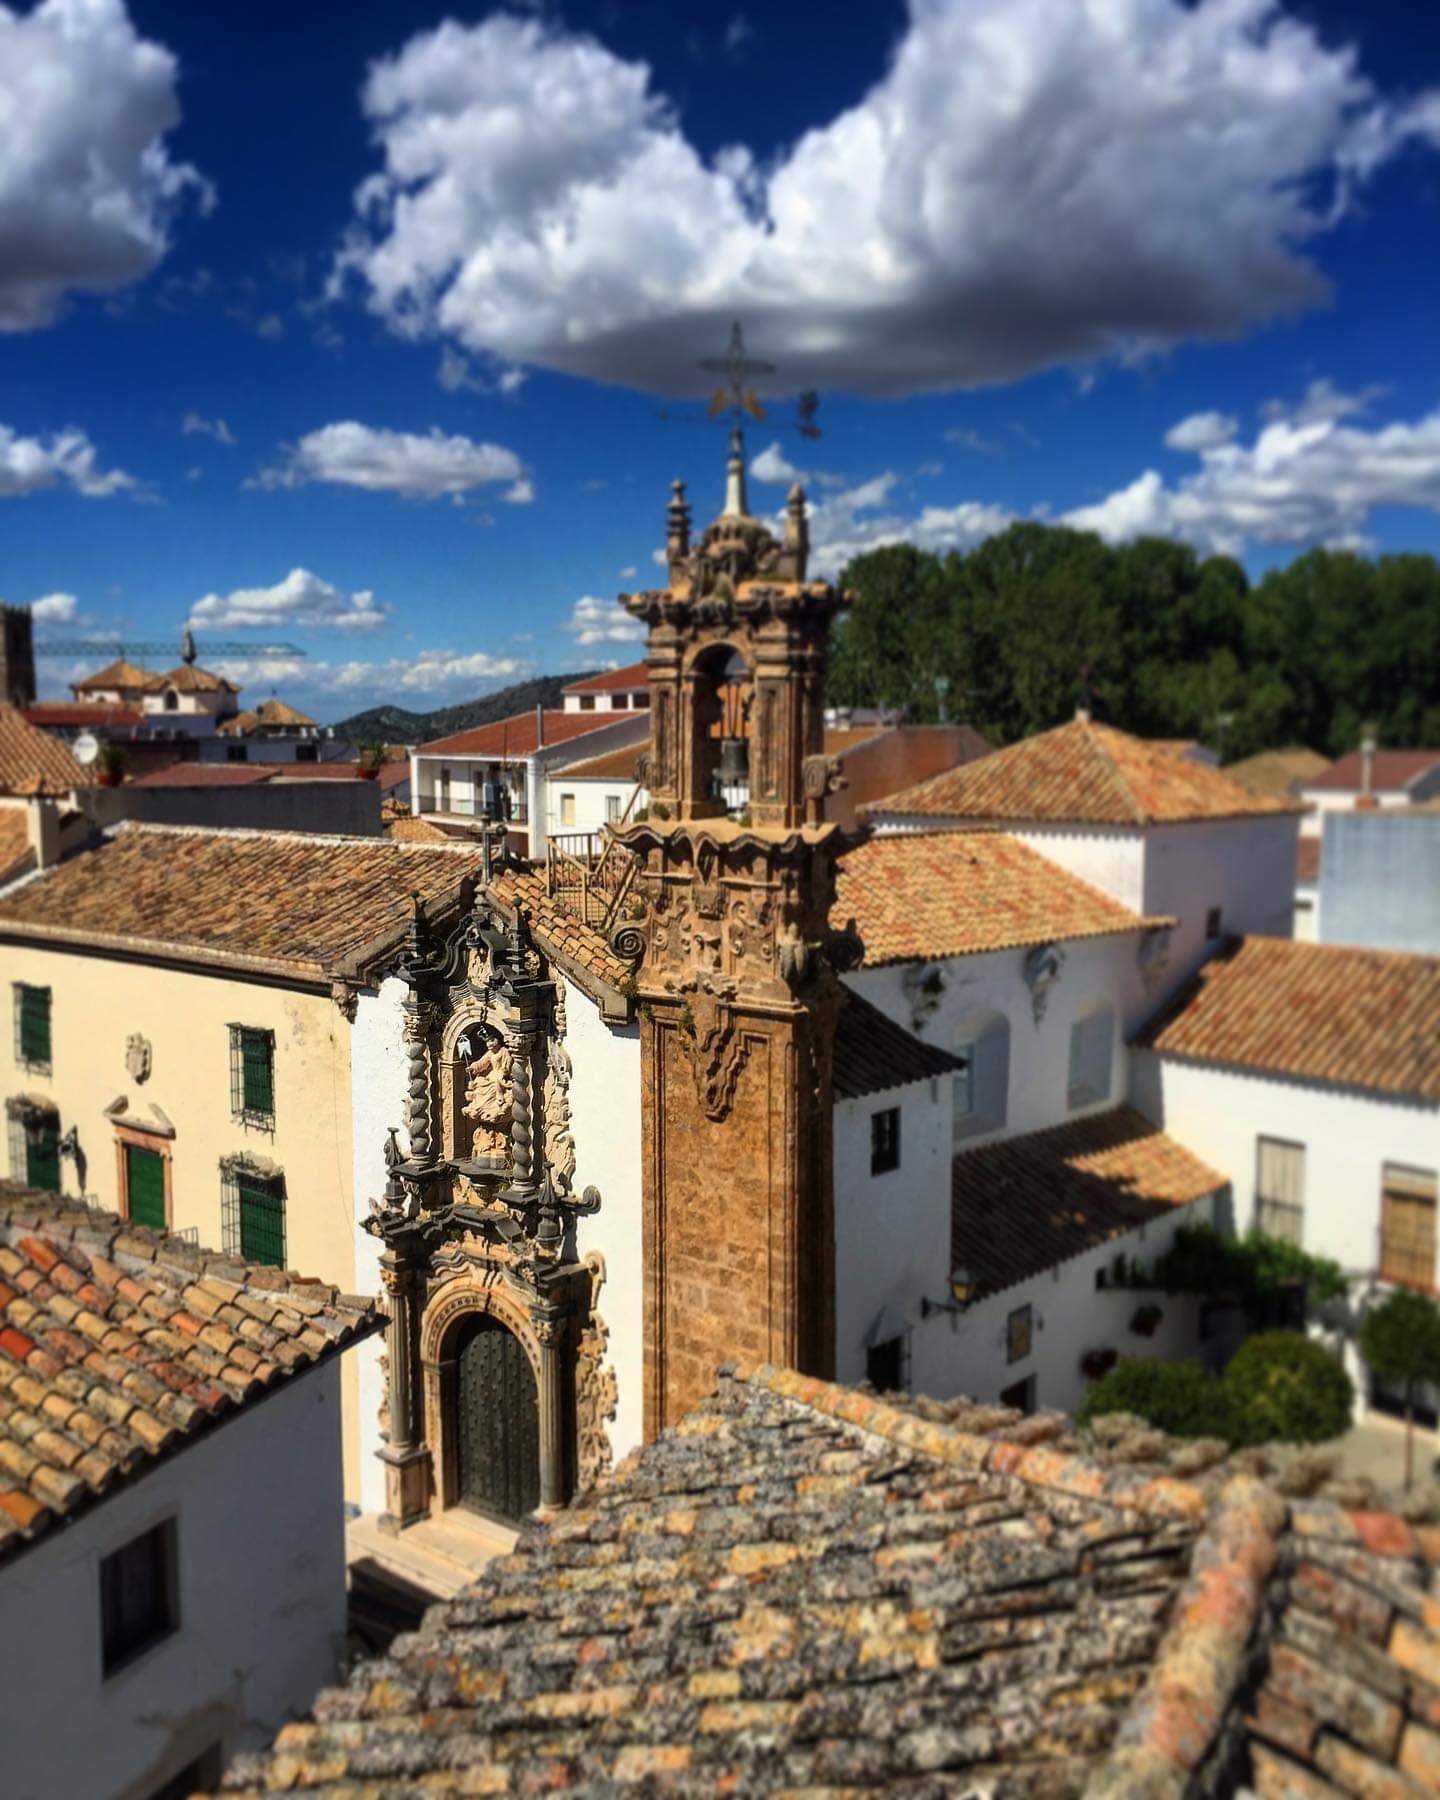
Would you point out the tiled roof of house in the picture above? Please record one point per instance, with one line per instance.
(516, 736)
(801, 1589)
(1366, 1019)
(299, 901)
(75, 715)
(406, 828)
(582, 947)
(198, 774)
(119, 1345)
(1391, 770)
(14, 842)
(190, 678)
(1020, 1206)
(925, 895)
(873, 1054)
(633, 675)
(1082, 773)
(391, 774)
(119, 674)
(271, 713)
(614, 765)
(1280, 772)
(31, 761)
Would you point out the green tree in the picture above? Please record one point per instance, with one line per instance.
(1286, 1388)
(1178, 1397)
(1400, 1340)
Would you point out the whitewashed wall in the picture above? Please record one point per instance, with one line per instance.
(967, 1353)
(1096, 972)
(1109, 857)
(892, 1231)
(262, 1609)
(379, 1079)
(1246, 867)
(605, 1116)
(591, 795)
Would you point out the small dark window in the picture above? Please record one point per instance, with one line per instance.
(237, 753)
(885, 1366)
(32, 1027)
(137, 1596)
(252, 1075)
(885, 1141)
(1212, 922)
(641, 700)
(587, 703)
(307, 753)
(1021, 1396)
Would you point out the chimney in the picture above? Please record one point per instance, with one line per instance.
(1367, 763)
(42, 829)
(1082, 715)
(539, 724)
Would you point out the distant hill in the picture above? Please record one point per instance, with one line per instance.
(394, 725)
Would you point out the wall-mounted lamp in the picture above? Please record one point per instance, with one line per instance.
(964, 1284)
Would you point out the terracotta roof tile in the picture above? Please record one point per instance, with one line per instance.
(31, 759)
(198, 774)
(614, 765)
(1280, 772)
(633, 675)
(926, 895)
(14, 842)
(1365, 1019)
(874, 1054)
(560, 932)
(190, 678)
(1082, 773)
(1024, 1204)
(75, 714)
(1391, 770)
(89, 1399)
(120, 674)
(391, 774)
(516, 735)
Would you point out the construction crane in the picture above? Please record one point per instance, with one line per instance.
(162, 651)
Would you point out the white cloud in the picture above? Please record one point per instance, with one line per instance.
(455, 374)
(1202, 431)
(394, 462)
(772, 465)
(1323, 401)
(965, 437)
(520, 493)
(1304, 480)
(430, 677)
(88, 193)
(597, 621)
(1030, 183)
(54, 609)
(629, 572)
(738, 33)
(301, 599)
(28, 464)
(863, 518)
(193, 425)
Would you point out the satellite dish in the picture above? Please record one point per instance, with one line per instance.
(85, 748)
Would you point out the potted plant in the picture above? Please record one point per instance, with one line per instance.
(111, 763)
(373, 757)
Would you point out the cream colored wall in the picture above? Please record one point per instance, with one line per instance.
(98, 1003)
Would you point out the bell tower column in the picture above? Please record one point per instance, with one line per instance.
(737, 984)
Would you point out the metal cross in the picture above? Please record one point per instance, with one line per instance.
(735, 365)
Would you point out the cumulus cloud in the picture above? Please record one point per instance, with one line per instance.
(88, 191)
(430, 675)
(1308, 478)
(301, 599)
(54, 609)
(1030, 183)
(596, 621)
(395, 462)
(1202, 431)
(1323, 401)
(64, 459)
(194, 425)
(520, 493)
(864, 517)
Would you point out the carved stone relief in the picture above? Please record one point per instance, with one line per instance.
(596, 1389)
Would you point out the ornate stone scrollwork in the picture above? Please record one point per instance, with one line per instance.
(718, 1053)
(924, 985)
(555, 1102)
(1041, 970)
(1153, 956)
(596, 1390)
(627, 940)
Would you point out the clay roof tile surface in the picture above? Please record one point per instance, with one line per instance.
(873, 1054)
(633, 675)
(31, 759)
(1367, 1019)
(120, 674)
(1082, 773)
(516, 736)
(1391, 770)
(920, 896)
(74, 1424)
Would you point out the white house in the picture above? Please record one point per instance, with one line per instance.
(172, 1568)
(1371, 777)
(612, 690)
(1310, 1075)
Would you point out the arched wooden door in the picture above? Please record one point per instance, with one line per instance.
(497, 1422)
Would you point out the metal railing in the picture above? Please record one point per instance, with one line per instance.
(589, 874)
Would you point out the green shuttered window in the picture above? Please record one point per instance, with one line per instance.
(252, 1209)
(252, 1075)
(145, 1186)
(32, 1026)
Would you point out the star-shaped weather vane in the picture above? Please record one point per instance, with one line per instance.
(736, 397)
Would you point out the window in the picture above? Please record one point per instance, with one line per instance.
(1280, 1189)
(619, 703)
(1407, 1226)
(1212, 922)
(885, 1141)
(32, 1027)
(138, 1599)
(640, 701)
(307, 753)
(1019, 1334)
(1092, 1044)
(34, 1144)
(237, 753)
(885, 1366)
(981, 1092)
(252, 1212)
(171, 701)
(587, 703)
(252, 1075)
(145, 1186)
(567, 809)
(612, 809)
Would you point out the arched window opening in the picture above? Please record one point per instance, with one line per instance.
(723, 695)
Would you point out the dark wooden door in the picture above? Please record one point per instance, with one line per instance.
(497, 1422)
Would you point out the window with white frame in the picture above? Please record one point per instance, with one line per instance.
(1280, 1189)
(982, 1087)
(1092, 1056)
(567, 809)
(612, 809)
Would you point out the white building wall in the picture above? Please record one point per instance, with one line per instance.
(892, 1231)
(1109, 857)
(378, 1074)
(592, 796)
(261, 1555)
(605, 1119)
(1245, 867)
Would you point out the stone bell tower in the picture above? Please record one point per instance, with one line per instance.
(737, 982)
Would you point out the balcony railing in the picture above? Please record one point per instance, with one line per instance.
(464, 806)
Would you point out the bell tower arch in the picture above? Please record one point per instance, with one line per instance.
(737, 981)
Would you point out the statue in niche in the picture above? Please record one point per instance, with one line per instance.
(489, 1099)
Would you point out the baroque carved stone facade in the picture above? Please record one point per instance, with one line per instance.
(478, 1221)
(737, 979)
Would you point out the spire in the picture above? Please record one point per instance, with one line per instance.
(188, 651)
(736, 504)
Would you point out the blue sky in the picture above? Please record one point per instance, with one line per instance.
(353, 327)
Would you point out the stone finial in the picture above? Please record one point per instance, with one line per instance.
(797, 530)
(677, 524)
(736, 502)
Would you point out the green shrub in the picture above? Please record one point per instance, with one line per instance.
(1286, 1388)
(1178, 1397)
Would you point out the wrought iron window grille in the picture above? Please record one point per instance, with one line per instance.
(252, 1076)
(32, 1028)
(252, 1212)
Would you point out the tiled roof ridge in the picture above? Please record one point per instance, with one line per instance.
(335, 840)
(1174, 1729)
(1099, 738)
